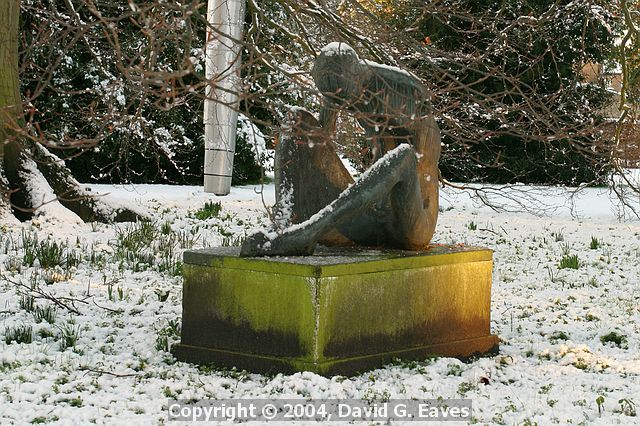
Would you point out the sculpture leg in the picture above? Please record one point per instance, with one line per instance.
(427, 145)
(395, 173)
(407, 218)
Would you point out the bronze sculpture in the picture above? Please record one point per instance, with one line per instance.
(394, 204)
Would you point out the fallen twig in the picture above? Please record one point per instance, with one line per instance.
(109, 373)
(64, 302)
(116, 311)
(488, 230)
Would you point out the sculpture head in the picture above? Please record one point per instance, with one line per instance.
(338, 73)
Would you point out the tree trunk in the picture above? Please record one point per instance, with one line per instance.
(24, 162)
(10, 108)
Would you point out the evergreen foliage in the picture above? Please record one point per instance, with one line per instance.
(506, 76)
(97, 115)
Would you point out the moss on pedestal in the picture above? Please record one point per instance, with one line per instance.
(336, 311)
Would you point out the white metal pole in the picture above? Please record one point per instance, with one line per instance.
(225, 19)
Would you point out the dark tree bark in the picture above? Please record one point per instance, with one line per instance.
(23, 161)
(9, 91)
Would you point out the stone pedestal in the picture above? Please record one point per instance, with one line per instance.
(336, 312)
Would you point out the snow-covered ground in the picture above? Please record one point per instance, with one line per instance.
(570, 337)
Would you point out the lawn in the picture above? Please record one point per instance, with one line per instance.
(89, 311)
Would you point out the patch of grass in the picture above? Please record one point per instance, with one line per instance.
(232, 241)
(50, 253)
(209, 210)
(557, 236)
(558, 335)
(177, 269)
(41, 419)
(627, 407)
(162, 343)
(142, 364)
(545, 389)
(110, 292)
(465, 387)
(45, 333)
(72, 259)
(372, 395)
(8, 366)
(472, 226)
(570, 262)
(454, 370)
(590, 317)
(165, 229)
(162, 294)
(620, 340)
(145, 245)
(187, 239)
(74, 402)
(580, 364)
(46, 313)
(96, 258)
(168, 393)
(19, 334)
(235, 374)
(595, 243)
(69, 335)
(419, 366)
(29, 248)
(62, 380)
(13, 264)
(167, 335)
(27, 303)
(136, 237)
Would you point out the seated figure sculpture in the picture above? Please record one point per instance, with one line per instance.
(393, 204)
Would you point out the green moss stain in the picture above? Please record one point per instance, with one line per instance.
(265, 303)
(317, 316)
(361, 314)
